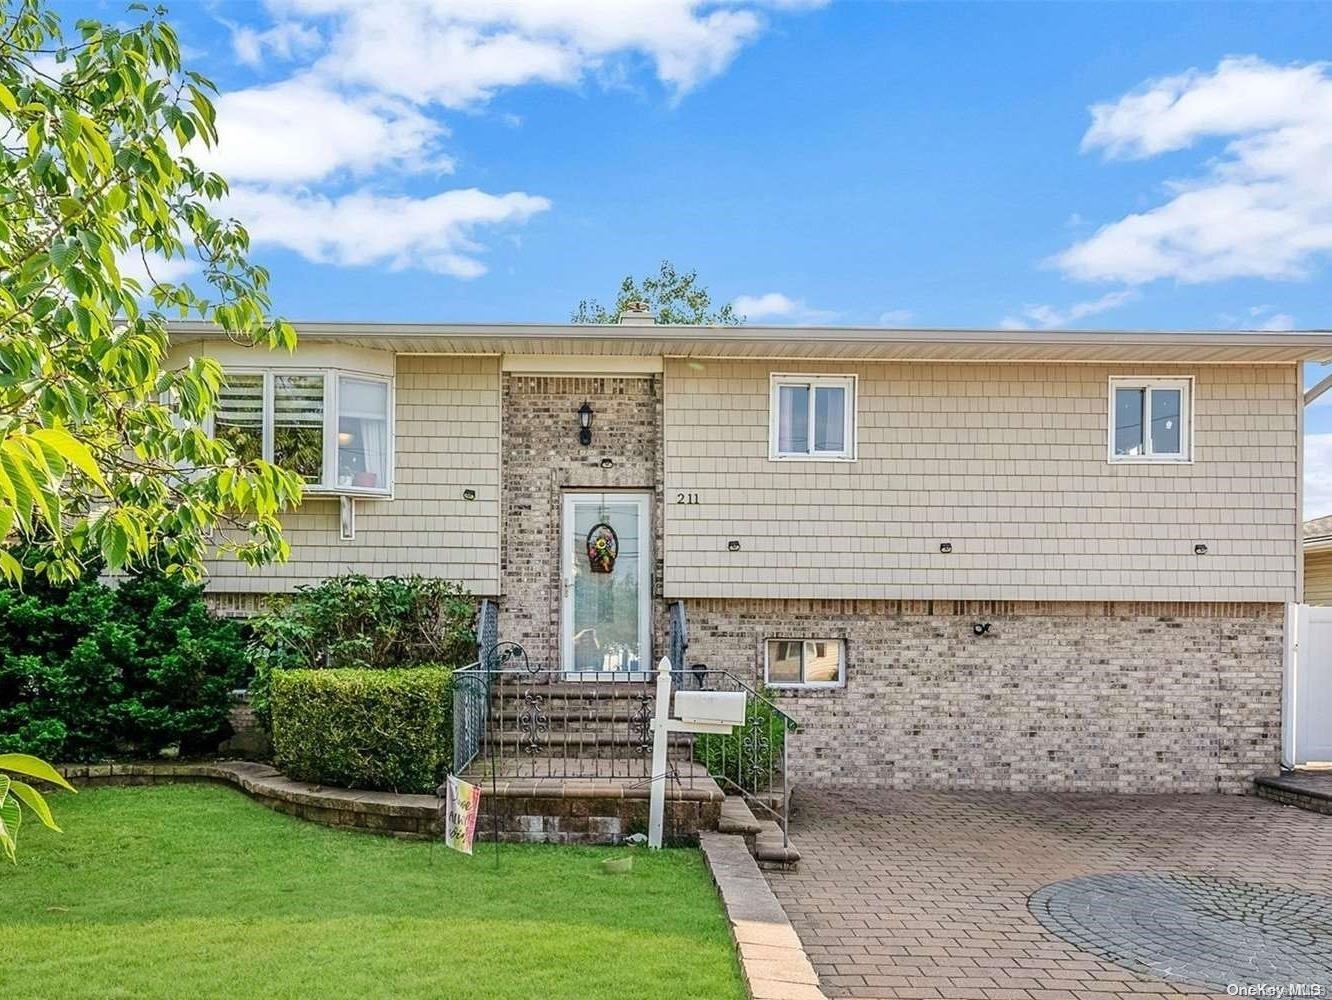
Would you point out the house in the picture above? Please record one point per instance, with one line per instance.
(966, 559)
(1318, 561)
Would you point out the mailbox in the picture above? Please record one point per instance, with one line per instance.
(724, 708)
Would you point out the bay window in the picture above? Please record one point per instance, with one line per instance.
(332, 429)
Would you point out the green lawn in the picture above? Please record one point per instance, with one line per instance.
(194, 891)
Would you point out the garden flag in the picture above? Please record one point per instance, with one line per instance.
(461, 806)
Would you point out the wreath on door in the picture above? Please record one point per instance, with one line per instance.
(603, 545)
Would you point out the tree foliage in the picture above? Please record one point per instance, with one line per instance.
(674, 297)
(89, 671)
(102, 451)
(14, 794)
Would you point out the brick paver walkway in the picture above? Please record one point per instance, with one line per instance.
(924, 894)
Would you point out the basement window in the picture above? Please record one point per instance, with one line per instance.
(334, 429)
(805, 663)
(812, 417)
(1151, 420)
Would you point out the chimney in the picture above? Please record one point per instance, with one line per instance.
(637, 314)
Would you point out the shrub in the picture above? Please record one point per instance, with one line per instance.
(356, 621)
(738, 757)
(90, 671)
(388, 730)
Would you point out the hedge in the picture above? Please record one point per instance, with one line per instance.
(384, 730)
(89, 671)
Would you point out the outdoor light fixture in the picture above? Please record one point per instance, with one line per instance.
(733, 545)
(981, 628)
(1200, 549)
(585, 424)
(469, 494)
(606, 463)
(945, 547)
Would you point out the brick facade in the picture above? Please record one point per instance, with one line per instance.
(1058, 696)
(542, 458)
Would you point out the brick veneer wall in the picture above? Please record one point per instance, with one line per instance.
(1063, 696)
(542, 458)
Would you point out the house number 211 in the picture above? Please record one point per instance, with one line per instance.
(690, 498)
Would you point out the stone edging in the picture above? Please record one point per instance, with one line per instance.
(772, 958)
(378, 812)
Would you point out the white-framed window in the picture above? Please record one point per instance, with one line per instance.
(812, 417)
(333, 428)
(1151, 419)
(804, 663)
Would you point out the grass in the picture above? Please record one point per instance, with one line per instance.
(196, 891)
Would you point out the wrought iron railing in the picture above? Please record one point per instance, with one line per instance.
(754, 760)
(513, 721)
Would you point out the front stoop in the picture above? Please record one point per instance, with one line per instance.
(594, 809)
(1308, 790)
(772, 958)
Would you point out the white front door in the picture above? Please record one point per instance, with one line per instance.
(605, 624)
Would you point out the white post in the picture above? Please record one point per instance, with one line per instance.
(660, 735)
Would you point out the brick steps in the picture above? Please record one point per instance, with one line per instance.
(1309, 790)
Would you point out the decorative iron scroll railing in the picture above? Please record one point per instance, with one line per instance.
(511, 720)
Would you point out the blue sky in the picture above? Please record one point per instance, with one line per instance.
(1070, 165)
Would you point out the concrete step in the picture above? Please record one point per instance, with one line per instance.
(572, 739)
(736, 818)
(768, 846)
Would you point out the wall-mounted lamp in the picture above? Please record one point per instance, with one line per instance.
(733, 545)
(469, 494)
(585, 424)
(1200, 549)
(945, 547)
(606, 463)
(981, 628)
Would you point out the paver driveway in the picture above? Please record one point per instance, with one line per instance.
(925, 894)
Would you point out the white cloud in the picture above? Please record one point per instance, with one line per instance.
(149, 267)
(1261, 209)
(763, 306)
(300, 131)
(897, 317)
(1278, 321)
(1317, 475)
(286, 40)
(775, 305)
(435, 233)
(460, 54)
(319, 160)
(1046, 317)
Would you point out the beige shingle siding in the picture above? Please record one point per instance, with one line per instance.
(1008, 462)
(1318, 577)
(447, 428)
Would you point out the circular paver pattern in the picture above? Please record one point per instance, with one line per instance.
(1197, 929)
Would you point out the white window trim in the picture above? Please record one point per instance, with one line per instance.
(805, 685)
(1185, 385)
(850, 383)
(330, 377)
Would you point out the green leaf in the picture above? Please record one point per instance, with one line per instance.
(11, 817)
(34, 800)
(33, 767)
(10, 568)
(72, 450)
(7, 101)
